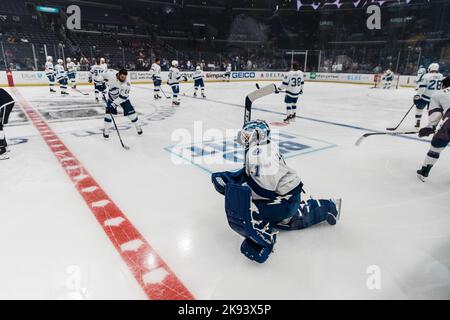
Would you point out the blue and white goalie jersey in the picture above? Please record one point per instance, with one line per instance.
(118, 92)
(431, 82)
(293, 81)
(268, 174)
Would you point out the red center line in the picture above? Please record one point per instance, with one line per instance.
(155, 277)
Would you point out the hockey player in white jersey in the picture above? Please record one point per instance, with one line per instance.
(50, 73)
(293, 82)
(228, 72)
(266, 195)
(61, 76)
(199, 81)
(430, 83)
(420, 73)
(173, 81)
(71, 72)
(387, 79)
(439, 125)
(118, 95)
(155, 73)
(96, 76)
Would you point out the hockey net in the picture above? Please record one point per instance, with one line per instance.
(379, 83)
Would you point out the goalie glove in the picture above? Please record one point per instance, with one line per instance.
(426, 131)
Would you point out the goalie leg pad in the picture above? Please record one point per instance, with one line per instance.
(220, 179)
(310, 213)
(244, 218)
(256, 252)
(282, 207)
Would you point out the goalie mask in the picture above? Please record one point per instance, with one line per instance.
(254, 133)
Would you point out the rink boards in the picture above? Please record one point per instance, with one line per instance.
(37, 78)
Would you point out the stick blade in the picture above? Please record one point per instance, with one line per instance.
(358, 142)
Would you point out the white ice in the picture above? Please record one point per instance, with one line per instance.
(52, 247)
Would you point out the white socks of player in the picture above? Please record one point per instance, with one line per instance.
(418, 117)
(134, 119)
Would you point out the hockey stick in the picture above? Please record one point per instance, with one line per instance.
(253, 96)
(401, 121)
(79, 91)
(184, 93)
(118, 133)
(165, 95)
(358, 142)
(258, 87)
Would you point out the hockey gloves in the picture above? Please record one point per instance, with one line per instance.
(426, 131)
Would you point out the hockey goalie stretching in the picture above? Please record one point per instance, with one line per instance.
(266, 195)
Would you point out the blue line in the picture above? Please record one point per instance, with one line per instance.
(168, 149)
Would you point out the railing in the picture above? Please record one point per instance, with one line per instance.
(361, 59)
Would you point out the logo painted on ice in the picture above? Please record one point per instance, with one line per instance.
(213, 155)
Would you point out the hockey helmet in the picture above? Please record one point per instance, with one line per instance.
(434, 67)
(254, 133)
(49, 58)
(174, 63)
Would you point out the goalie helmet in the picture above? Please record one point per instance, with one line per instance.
(434, 67)
(174, 63)
(254, 133)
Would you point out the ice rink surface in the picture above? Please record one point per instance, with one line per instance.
(53, 247)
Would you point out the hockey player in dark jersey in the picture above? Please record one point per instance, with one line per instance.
(6, 106)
